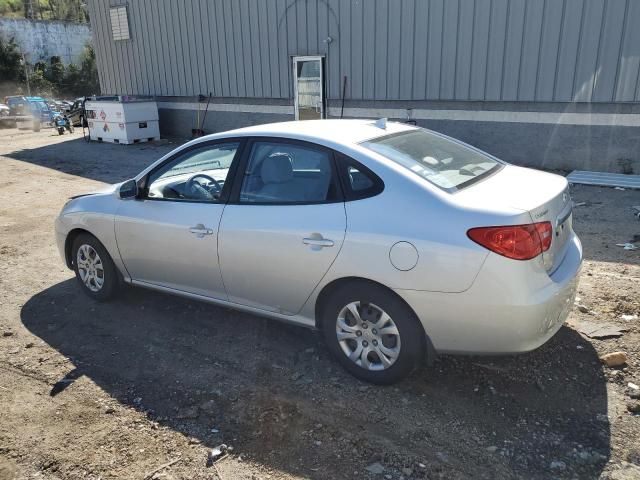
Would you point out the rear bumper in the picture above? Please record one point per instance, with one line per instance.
(506, 310)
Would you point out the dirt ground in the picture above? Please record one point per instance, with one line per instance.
(104, 391)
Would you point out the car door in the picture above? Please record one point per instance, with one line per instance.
(168, 237)
(284, 225)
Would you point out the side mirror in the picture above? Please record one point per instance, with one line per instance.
(128, 189)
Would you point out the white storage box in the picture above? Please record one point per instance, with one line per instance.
(122, 120)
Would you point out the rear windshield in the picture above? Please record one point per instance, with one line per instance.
(447, 164)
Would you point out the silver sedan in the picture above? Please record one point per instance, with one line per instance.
(395, 241)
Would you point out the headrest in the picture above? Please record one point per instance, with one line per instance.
(276, 168)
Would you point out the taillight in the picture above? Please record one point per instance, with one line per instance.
(520, 242)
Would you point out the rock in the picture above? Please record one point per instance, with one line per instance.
(615, 359)
(189, 412)
(407, 471)
(589, 458)
(633, 407)
(29, 345)
(443, 457)
(624, 471)
(492, 449)
(582, 308)
(216, 453)
(558, 465)
(375, 468)
(209, 407)
(7, 333)
(599, 330)
(109, 410)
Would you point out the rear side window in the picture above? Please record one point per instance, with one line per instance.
(449, 165)
(288, 173)
(358, 181)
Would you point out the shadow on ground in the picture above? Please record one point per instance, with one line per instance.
(104, 162)
(274, 393)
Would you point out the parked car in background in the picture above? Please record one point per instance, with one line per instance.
(5, 113)
(395, 241)
(76, 113)
(36, 107)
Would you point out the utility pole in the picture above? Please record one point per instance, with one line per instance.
(26, 73)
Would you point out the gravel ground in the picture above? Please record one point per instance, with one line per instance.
(118, 390)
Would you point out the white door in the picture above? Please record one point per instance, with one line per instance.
(308, 86)
(281, 234)
(168, 237)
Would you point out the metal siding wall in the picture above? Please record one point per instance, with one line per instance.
(420, 49)
(609, 51)
(501, 50)
(627, 82)
(479, 49)
(464, 48)
(549, 52)
(434, 48)
(529, 61)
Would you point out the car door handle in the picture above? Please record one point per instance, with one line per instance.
(318, 242)
(200, 230)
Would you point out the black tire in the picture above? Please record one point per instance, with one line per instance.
(411, 333)
(110, 275)
(61, 131)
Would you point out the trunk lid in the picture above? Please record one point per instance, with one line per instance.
(545, 196)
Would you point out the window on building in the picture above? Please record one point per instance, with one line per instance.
(119, 23)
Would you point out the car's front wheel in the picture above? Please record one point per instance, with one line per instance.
(94, 268)
(372, 332)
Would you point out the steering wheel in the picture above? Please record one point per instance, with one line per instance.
(192, 186)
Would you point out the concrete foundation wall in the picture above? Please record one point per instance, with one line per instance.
(40, 39)
(603, 137)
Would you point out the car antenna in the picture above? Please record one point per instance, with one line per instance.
(381, 123)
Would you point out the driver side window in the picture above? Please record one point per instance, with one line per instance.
(198, 175)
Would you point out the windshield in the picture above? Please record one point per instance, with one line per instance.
(447, 164)
(206, 160)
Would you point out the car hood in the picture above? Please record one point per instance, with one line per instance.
(108, 190)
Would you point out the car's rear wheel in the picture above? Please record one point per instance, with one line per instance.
(372, 332)
(94, 268)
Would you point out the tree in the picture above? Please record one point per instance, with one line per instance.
(65, 10)
(55, 72)
(11, 69)
(10, 8)
(48, 79)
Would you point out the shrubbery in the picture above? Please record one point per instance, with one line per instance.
(52, 79)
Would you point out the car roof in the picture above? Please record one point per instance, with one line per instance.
(345, 132)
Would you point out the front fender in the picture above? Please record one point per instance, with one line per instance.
(94, 214)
